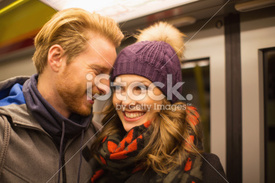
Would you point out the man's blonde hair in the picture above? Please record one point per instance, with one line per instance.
(70, 29)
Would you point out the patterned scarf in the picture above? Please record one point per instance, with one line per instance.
(117, 155)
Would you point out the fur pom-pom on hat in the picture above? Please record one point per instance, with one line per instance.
(162, 31)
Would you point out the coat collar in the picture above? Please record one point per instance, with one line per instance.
(20, 115)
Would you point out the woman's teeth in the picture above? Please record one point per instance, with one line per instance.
(133, 114)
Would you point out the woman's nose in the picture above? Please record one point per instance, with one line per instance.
(127, 100)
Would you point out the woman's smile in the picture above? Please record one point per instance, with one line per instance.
(135, 110)
(133, 115)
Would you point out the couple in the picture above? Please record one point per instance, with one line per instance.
(47, 133)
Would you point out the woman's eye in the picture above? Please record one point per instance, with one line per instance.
(116, 88)
(140, 88)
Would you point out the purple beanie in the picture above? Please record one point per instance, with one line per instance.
(154, 60)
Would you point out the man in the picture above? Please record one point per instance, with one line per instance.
(45, 120)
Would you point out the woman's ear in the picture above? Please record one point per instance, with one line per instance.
(55, 55)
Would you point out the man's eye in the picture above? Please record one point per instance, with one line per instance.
(97, 71)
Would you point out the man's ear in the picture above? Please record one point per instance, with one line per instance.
(55, 55)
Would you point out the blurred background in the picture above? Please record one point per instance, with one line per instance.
(228, 66)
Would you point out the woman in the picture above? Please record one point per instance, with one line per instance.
(149, 134)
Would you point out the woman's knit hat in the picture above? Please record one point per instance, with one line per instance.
(155, 60)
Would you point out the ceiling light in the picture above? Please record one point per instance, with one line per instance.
(12, 6)
(120, 10)
(182, 21)
(254, 5)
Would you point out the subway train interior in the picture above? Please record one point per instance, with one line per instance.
(228, 66)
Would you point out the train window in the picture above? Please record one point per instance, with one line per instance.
(269, 115)
(196, 90)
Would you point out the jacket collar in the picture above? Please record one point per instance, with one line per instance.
(20, 115)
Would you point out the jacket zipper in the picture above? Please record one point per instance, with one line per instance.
(40, 130)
